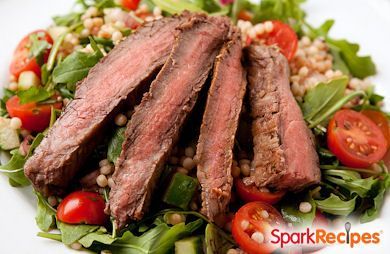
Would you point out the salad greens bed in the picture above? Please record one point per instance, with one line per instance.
(343, 191)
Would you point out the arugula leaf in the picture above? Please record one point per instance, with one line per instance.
(34, 94)
(68, 19)
(14, 170)
(158, 240)
(288, 11)
(350, 180)
(338, 62)
(45, 217)
(76, 66)
(321, 31)
(359, 66)
(72, 233)
(172, 6)
(102, 4)
(322, 97)
(100, 236)
(290, 212)
(215, 242)
(35, 143)
(38, 48)
(334, 205)
(54, 52)
(373, 212)
(115, 144)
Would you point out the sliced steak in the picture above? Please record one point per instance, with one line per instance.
(155, 125)
(99, 96)
(220, 120)
(284, 151)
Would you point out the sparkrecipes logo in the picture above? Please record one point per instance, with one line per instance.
(321, 236)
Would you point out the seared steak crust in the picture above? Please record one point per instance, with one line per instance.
(220, 121)
(155, 125)
(76, 133)
(284, 151)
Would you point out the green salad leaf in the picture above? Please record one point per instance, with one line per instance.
(68, 19)
(99, 236)
(72, 233)
(76, 66)
(38, 48)
(172, 7)
(378, 199)
(334, 205)
(34, 94)
(14, 169)
(115, 144)
(350, 180)
(45, 217)
(290, 212)
(215, 241)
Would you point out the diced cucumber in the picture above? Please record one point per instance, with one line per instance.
(180, 191)
(191, 245)
(28, 79)
(9, 138)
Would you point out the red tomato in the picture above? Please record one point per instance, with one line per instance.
(22, 61)
(245, 15)
(355, 139)
(130, 4)
(284, 37)
(252, 193)
(380, 120)
(252, 213)
(82, 207)
(35, 117)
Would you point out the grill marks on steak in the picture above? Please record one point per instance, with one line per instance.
(108, 85)
(220, 121)
(284, 152)
(155, 125)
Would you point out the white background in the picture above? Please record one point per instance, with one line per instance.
(364, 21)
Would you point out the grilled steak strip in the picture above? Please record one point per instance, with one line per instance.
(99, 96)
(220, 121)
(284, 152)
(155, 125)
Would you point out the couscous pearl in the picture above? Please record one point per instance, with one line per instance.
(66, 101)
(106, 170)
(245, 170)
(143, 8)
(105, 252)
(244, 161)
(110, 182)
(259, 29)
(76, 246)
(232, 251)
(305, 207)
(175, 218)
(236, 171)
(258, 237)
(88, 23)
(244, 224)
(263, 189)
(303, 71)
(264, 214)
(13, 86)
(15, 123)
(157, 11)
(189, 163)
(117, 36)
(305, 41)
(52, 201)
(182, 170)
(189, 152)
(120, 120)
(102, 181)
(268, 26)
(104, 162)
(24, 133)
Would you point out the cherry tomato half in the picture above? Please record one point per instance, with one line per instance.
(35, 117)
(250, 219)
(380, 120)
(355, 139)
(22, 60)
(284, 37)
(252, 193)
(130, 4)
(82, 207)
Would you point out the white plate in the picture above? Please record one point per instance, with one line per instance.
(364, 21)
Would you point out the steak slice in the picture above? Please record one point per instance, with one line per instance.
(220, 121)
(155, 125)
(284, 150)
(99, 96)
